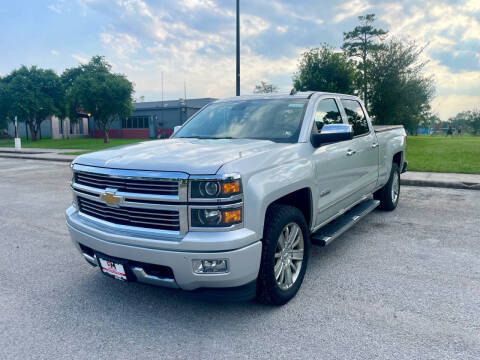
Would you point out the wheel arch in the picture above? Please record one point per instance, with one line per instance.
(301, 199)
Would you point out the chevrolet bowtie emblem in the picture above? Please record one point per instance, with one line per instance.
(110, 198)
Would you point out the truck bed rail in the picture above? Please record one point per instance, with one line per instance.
(382, 128)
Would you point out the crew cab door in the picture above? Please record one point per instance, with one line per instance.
(333, 178)
(362, 154)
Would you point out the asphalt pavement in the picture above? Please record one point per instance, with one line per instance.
(399, 285)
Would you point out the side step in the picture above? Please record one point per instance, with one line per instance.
(337, 227)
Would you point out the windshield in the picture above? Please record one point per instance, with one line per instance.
(277, 120)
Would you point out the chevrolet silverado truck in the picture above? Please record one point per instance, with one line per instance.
(230, 204)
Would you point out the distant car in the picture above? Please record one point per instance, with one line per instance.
(230, 204)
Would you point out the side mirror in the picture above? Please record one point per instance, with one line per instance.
(332, 133)
(176, 128)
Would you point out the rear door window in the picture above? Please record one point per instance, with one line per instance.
(356, 117)
(327, 112)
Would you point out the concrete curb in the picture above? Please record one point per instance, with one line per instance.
(35, 158)
(440, 184)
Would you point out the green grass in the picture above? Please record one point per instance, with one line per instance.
(442, 154)
(86, 144)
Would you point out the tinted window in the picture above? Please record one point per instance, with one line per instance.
(327, 113)
(135, 122)
(356, 116)
(277, 120)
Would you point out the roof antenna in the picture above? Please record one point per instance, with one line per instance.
(293, 91)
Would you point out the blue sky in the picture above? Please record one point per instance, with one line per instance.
(194, 40)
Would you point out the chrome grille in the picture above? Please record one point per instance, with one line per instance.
(151, 186)
(131, 216)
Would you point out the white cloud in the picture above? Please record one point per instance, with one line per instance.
(252, 25)
(122, 44)
(57, 6)
(282, 29)
(450, 105)
(351, 8)
(54, 8)
(81, 59)
(54, 52)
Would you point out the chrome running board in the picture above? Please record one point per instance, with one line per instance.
(337, 227)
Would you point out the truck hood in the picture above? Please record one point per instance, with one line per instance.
(192, 156)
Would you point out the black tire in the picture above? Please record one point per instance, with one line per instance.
(278, 217)
(387, 201)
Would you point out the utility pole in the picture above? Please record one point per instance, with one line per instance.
(238, 50)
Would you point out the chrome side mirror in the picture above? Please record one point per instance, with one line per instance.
(332, 133)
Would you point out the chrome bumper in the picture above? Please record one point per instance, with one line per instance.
(244, 259)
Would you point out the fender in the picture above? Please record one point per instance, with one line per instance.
(263, 188)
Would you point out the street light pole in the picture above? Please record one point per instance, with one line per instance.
(238, 50)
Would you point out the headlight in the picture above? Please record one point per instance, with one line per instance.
(216, 217)
(201, 189)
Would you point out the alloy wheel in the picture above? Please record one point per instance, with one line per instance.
(289, 256)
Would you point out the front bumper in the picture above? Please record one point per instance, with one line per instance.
(244, 261)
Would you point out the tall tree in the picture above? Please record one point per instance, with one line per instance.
(361, 43)
(400, 92)
(322, 69)
(265, 88)
(3, 105)
(32, 94)
(103, 94)
(69, 103)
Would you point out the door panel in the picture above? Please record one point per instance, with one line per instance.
(333, 173)
(365, 163)
(333, 179)
(363, 154)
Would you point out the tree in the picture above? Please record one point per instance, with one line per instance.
(322, 69)
(31, 94)
(69, 103)
(430, 122)
(475, 122)
(361, 43)
(265, 88)
(468, 120)
(3, 105)
(400, 93)
(103, 94)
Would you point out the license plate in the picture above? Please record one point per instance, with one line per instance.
(113, 269)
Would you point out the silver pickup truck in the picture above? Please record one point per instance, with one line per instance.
(229, 206)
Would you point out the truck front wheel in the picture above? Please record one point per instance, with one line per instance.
(390, 193)
(285, 253)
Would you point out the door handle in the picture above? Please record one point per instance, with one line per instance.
(374, 145)
(351, 152)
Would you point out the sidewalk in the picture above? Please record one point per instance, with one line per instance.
(444, 180)
(38, 154)
(410, 178)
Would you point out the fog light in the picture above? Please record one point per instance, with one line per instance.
(203, 266)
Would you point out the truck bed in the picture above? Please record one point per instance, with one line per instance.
(382, 128)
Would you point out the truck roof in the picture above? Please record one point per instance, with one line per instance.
(297, 95)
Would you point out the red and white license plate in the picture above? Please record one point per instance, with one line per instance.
(112, 268)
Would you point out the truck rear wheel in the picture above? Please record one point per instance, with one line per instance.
(285, 253)
(390, 193)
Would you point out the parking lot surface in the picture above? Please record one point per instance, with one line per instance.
(400, 285)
